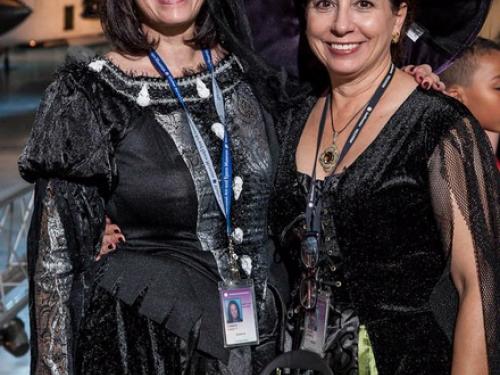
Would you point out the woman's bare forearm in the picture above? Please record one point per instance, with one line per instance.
(469, 344)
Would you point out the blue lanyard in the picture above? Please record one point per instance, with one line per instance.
(224, 191)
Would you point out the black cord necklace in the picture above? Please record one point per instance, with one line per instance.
(330, 156)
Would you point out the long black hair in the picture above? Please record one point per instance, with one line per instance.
(229, 315)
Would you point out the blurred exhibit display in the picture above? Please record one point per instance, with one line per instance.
(35, 22)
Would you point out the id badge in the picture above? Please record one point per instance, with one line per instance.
(239, 313)
(315, 324)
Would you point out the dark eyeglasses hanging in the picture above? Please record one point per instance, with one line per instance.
(309, 247)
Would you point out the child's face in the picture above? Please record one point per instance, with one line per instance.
(482, 95)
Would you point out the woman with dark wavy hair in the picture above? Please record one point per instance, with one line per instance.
(113, 136)
(387, 199)
(233, 312)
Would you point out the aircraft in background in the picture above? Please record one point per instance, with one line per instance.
(52, 21)
(12, 13)
(47, 22)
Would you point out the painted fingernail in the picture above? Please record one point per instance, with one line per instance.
(121, 239)
(426, 85)
(110, 247)
(117, 231)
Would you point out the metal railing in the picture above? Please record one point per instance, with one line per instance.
(15, 215)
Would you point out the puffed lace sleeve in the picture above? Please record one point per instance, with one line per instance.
(465, 188)
(68, 158)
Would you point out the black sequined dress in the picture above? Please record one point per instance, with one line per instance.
(106, 141)
(388, 223)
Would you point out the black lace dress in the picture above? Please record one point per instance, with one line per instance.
(105, 141)
(388, 225)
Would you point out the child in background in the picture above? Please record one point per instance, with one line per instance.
(474, 79)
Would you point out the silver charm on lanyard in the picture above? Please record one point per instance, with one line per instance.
(237, 297)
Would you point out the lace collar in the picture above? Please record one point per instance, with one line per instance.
(147, 90)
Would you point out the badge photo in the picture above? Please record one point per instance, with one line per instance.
(239, 314)
(315, 324)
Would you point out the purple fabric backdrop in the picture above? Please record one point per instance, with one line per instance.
(276, 30)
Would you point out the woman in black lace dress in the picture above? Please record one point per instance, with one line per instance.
(388, 208)
(111, 136)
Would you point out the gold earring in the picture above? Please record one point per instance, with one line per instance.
(395, 37)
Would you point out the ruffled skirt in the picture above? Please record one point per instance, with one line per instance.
(116, 340)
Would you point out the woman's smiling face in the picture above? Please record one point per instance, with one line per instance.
(350, 36)
(170, 13)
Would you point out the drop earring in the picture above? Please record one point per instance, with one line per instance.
(395, 37)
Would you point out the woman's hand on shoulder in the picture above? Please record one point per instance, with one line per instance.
(425, 77)
(112, 237)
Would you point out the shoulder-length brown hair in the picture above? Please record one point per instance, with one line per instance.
(122, 25)
(397, 49)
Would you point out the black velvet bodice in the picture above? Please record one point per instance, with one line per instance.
(386, 233)
(154, 200)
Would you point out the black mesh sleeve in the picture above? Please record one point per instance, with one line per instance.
(465, 185)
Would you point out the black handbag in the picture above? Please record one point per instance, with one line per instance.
(299, 359)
